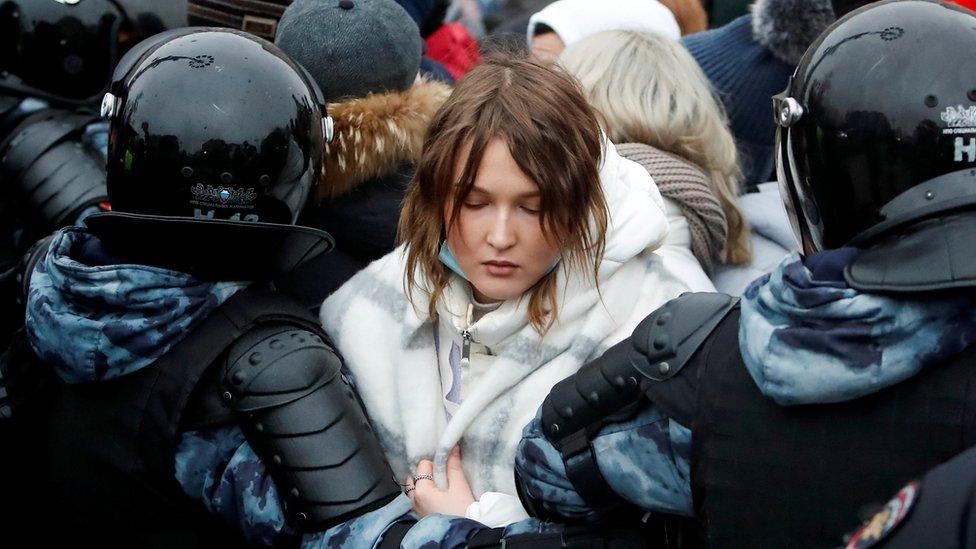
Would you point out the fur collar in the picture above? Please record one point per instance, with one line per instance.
(788, 27)
(376, 134)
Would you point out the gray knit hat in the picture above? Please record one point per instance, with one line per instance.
(352, 47)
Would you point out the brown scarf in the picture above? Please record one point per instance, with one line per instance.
(688, 186)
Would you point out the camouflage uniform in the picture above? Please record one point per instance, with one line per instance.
(802, 313)
(93, 319)
(219, 468)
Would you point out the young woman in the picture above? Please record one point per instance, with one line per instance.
(659, 108)
(528, 249)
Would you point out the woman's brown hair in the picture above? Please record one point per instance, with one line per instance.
(555, 138)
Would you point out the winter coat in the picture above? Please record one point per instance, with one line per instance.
(219, 468)
(634, 278)
(771, 239)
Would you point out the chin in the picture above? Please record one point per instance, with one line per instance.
(500, 292)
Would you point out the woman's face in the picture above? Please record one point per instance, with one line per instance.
(498, 239)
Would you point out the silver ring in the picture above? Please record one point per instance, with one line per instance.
(421, 477)
(409, 489)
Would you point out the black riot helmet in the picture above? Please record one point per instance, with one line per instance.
(64, 50)
(876, 144)
(215, 145)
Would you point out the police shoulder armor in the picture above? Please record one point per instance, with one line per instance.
(45, 164)
(305, 422)
(609, 388)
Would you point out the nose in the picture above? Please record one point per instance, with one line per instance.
(501, 234)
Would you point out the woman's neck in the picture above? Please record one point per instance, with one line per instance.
(482, 305)
(481, 299)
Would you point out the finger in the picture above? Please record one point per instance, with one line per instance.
(425, 467)
(455, 471)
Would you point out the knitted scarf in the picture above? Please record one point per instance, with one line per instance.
(688, 186)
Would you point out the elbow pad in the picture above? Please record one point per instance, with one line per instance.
(307, 426)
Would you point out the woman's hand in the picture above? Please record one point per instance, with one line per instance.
(428, 499)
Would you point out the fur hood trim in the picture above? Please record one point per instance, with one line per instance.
(376, 134)
(788, 27)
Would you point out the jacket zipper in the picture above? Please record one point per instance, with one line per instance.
(466, 339)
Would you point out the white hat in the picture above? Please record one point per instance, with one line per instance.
(574, 20)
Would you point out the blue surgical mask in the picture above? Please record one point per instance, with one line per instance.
(450, 261)
(447, 258)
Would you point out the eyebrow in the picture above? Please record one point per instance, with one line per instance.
(530, 194)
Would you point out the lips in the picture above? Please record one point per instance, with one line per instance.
(500, 268)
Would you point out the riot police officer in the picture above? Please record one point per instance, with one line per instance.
(168, 341)
(841, 375)
(56, 59)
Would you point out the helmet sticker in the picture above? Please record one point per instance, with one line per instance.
(960, 117)
(209, 195)
(961, 120)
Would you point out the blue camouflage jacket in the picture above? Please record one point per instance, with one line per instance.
(93, 319)
(799, 315)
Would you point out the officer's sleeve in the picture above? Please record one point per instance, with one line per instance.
(645, 460)
(218, 468)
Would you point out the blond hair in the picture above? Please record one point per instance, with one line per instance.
(650, 90)
(554, 135)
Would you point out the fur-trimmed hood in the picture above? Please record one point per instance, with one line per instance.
(788, 27)
(376, 134)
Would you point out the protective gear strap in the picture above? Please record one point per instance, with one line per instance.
(609, 389)
(305, 422)
(395, 534)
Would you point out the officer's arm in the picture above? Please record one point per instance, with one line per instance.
(218, 468)
(604, 440)
(304, 441)
(306, 425)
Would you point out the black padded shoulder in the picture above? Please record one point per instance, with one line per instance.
(44, 163)
(668, 337)
(304, 421)
(610, 388)
(657, 350)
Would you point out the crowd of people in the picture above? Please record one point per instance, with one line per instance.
(488, 273)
